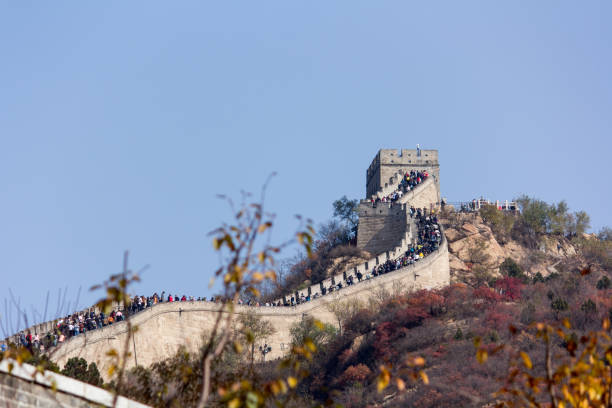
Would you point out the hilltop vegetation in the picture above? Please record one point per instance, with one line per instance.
(511, 272)
(525, 322)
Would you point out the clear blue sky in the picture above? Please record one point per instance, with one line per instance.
(121, 121)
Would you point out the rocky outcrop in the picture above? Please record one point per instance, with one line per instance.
(472, 243)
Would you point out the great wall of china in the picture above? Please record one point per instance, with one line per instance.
(386, 230)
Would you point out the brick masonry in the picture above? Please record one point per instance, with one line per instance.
(165, 327)
(23, 387)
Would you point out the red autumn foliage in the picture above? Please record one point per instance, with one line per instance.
(358, 373)
(361, 322)
(385, 333)
(388, 332)
(509, 288)
(428, 300)
(486, 296)
(411, 316)
(499, 318)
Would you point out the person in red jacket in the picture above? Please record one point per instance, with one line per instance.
(170, 299)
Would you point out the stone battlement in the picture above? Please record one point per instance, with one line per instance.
(165, 327)
(382, 227)
(386, 231)
(388, 162)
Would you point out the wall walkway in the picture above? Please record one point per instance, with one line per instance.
(165, 327)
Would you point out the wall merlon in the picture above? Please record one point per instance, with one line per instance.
(387, 162)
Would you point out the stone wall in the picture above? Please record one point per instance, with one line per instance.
(363, 267)
(381, 228)
(387, 162)
(425, 195)
(23, 387)
(385, 231)
(163, 328)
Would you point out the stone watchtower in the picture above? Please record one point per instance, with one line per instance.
(388, 162)
(385, 226)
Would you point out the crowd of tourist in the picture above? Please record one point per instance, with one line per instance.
(428, 240)
(429, 237)
(409, 181)
(89, 320)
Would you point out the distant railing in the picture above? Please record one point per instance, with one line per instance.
(476, 205)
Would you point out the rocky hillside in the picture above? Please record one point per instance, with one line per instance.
(476, 252)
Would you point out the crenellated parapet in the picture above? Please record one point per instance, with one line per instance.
(388, 162)
(165, 327)
(386, 230)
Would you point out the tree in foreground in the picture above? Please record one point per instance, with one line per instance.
(556, 369)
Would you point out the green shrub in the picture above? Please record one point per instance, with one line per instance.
(77, 368)
(604, 283)
(510, 268)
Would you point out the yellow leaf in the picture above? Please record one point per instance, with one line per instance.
(217, 243)
(318, 324)
(275, 388)
(264, 227)
(424, 377)
(567, 324)
(526, 360)
(292, 381)
(401, 385)
(230, 242)
(261, 257)
(606, 324)
(270, 275)
(383, 378)
(257, 276)
(254, 291)
(308, 343)
(482, 356)
(235, 403)
(283, 386)
(419, 361)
